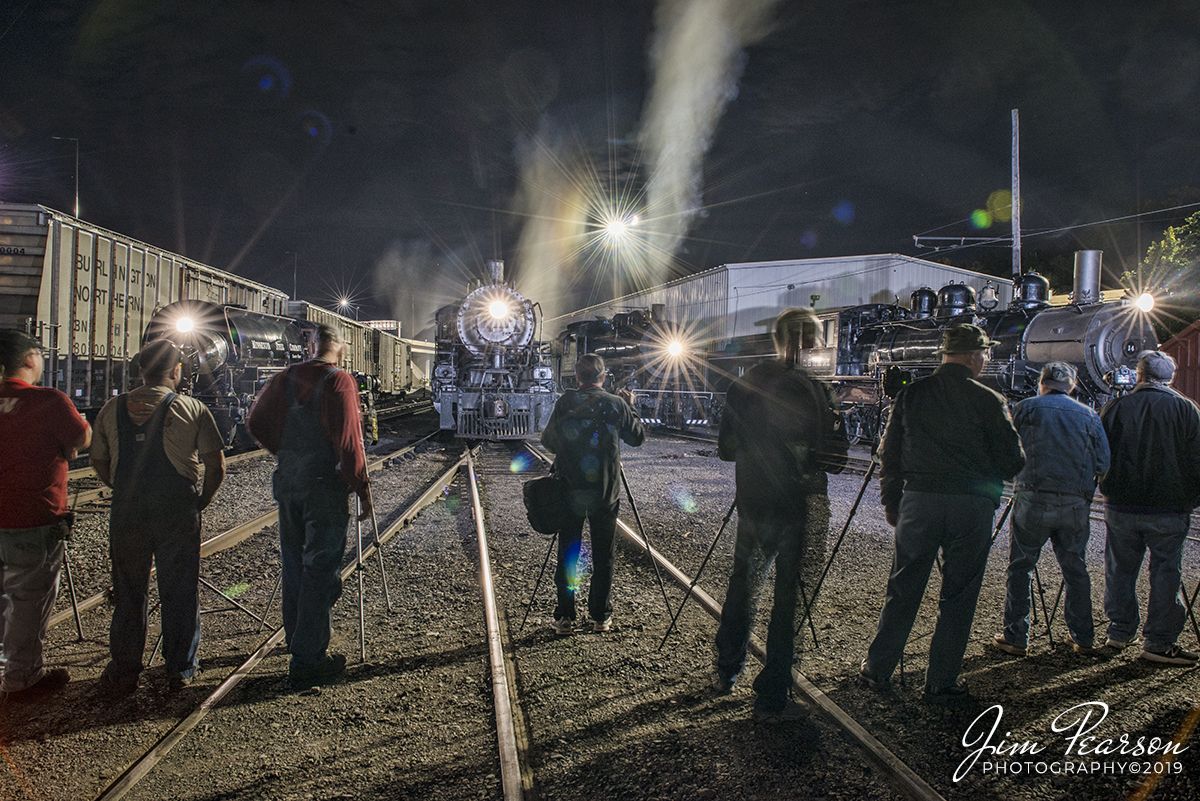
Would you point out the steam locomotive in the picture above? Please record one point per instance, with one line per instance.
(869, 352)
(230, 352)
(649, 355)
(491, 378)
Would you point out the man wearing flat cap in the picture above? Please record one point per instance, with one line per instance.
(947, 450)
(1149, 493)
(1065, 452)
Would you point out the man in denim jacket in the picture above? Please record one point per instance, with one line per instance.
(1065, 453)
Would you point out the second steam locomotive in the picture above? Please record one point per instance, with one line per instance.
(870, 351)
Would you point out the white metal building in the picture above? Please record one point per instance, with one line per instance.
(736, 300)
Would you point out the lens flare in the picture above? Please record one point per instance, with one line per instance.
(1145, 302)
(675, 348)
(498, 309)
(683, 499)
(184, 325)
(521, 463)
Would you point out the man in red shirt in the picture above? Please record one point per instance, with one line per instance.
(40, 431)
(308, 416)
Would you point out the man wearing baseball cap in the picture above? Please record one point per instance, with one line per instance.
(947, 450)
(1065, 452)
(1149, 494)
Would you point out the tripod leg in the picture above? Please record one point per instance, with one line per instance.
(638, 518)
(696, 579)
(362, 619)
(71, 587)
(538, 583)
(808, 613)
(1042, 593)
(213, 587)
(837, 546)
(1192, 603)
(271, 600)
(387, 594)
(1003, 517)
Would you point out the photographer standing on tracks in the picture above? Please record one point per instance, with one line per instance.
(1065, 452)
(308, 416)
(782, 428)
(1149, 494)
(149, 446)
(583, 433)
(947, 451)
(40, 431)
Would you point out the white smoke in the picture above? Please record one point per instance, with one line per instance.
(696, 59)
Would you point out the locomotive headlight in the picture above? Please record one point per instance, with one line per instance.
(184, 324)
(498, 309)
(1145, 302)
(675, 348)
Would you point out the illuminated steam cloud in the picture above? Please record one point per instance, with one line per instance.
(696, 59)
(549, 201)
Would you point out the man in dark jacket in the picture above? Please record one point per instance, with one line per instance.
(948, 448)
(583, 433)
(782, 429)
(1149, 493)
(1065, 451)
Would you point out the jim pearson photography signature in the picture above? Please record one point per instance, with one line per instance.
(1083, 753)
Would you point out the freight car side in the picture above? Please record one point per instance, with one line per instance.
(87, 294)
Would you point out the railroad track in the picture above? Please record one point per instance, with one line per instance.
(226, 539)
(888, 764)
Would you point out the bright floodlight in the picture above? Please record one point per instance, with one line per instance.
(1145, 302)
(184, 324)
(615, 228)
(675, 348)
(344, 303)
(498, 309)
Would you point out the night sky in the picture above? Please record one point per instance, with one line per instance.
(388, 149)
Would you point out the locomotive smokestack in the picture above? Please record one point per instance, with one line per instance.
(496, 270)
(1087, 276)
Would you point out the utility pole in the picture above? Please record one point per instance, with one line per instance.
(76, 141)
(1016, 196)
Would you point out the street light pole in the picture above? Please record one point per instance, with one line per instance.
(76, 141)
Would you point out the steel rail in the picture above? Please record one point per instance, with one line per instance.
(231, 537)
(510, 762)
(902, 776)
(142, 766)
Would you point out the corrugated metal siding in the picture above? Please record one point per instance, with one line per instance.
(1184, 348)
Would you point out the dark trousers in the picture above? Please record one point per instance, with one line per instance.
(602, 525)
(312, 541)
(761, 541)
(172, 541)
(961, 527)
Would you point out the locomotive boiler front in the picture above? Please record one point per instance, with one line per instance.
(494, 317)
(1097, 339)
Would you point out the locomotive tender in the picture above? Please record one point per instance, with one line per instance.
(491, 378)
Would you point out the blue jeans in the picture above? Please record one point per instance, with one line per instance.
(961, 526)
(761, 541)
(1065, 521)
(30, 561)
(173, 543)
(602, 524)
(1129, 537)
(312, 541)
